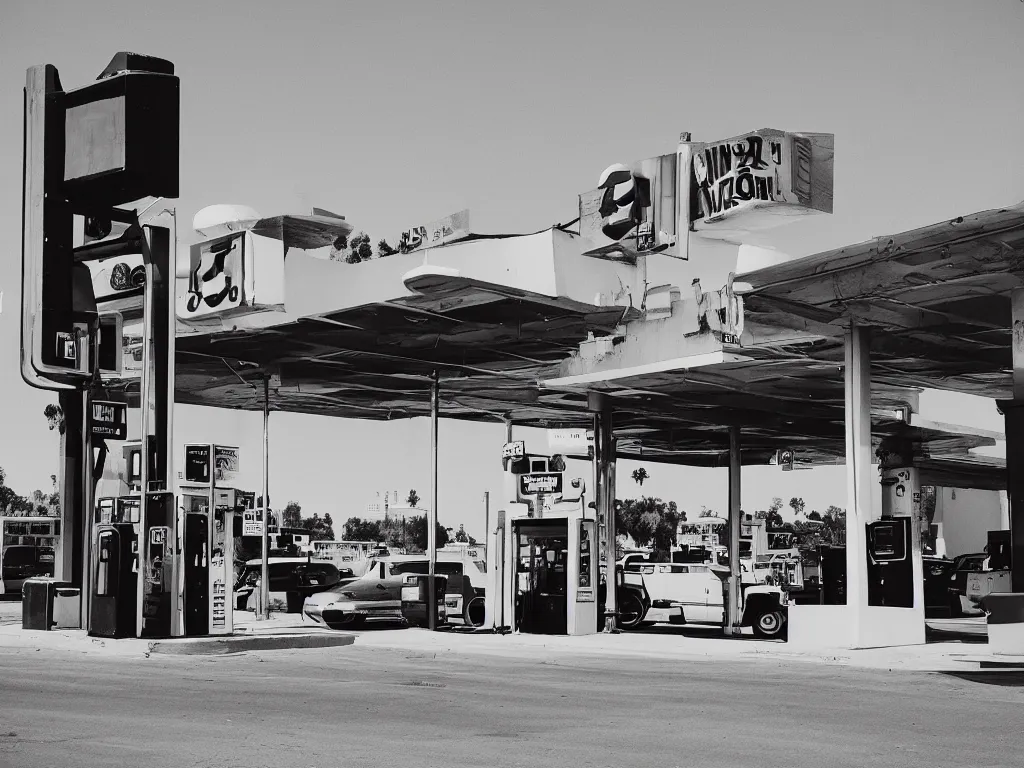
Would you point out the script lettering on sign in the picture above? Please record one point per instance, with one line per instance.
(450, 229)
(759, 179)
(633, 210)
(215, 281)
(736, 172)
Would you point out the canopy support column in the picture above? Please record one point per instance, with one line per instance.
(735, 465)
(432, 517)
(265, 565)
(604, 460)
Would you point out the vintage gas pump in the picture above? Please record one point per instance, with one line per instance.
(157, 545)
(543, 554)
(206, 540)
(890, 549)
(115, 581)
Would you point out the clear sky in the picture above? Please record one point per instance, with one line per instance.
(399, 113)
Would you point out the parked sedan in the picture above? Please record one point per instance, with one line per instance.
(23, 561)
(292, 580)
(375, 594)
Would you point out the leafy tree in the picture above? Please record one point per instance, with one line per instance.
(649, 521)
(417, 533)
(54, 417)
(773, 521)
(7, 495)
(797, 505)
(776, 505)
(461, 535)
(639, 475)
(383, 249)
(291, 517)
(361, 250)
(814, 515)
(413, 498)
(320, 528)
(357, 529)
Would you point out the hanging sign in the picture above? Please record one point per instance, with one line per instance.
(108, 420)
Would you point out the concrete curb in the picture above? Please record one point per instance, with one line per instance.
(223, 645)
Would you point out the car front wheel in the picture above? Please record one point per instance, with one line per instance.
(769, 625)
(631, 611)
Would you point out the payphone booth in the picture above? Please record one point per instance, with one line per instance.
(542, 556)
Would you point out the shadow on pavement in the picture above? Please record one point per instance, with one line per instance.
(1012, 678)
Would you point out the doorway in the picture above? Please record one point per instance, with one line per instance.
(542, 577)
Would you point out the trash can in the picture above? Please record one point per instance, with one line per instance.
(415, 591)
(37, 596)
(67, 606)
(1005, 622)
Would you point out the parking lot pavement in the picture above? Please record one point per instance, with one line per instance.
(664, 642)
(365, 706)
(657, 642)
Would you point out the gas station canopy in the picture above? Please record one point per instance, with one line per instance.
(505, 322)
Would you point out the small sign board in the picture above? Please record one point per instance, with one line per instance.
(547, 482)
(252, 522)
(108, 420)
(197, 463)
(225, 463)
(513, 450)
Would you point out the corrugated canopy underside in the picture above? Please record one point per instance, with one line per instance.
(938, 299)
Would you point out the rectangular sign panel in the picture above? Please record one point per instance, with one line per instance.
(530, 485)
(252, 522)
(450, 229)
(513, 450)
(762, 178)
(197, 463)
(571, 442)
(634, 210)
(108, 420)
(225, 463)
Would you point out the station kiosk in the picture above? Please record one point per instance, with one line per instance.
(542, 559)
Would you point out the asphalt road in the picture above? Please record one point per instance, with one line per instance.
(370, 707)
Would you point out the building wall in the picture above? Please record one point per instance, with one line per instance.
(965, 516)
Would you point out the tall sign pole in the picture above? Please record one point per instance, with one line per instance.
(432, 517)
(86, 152)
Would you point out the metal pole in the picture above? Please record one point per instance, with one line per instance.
(733, 627)
(265, 565)
(432, 518)
(85, 595)
(604, 448)
(487, 516)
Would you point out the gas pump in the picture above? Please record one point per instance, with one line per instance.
(115, 581)
(206, 540)
(542, 554)
(890, 550)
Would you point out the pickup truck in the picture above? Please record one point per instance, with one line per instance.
(696, 594)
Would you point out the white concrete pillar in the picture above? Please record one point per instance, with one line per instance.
(859, 473)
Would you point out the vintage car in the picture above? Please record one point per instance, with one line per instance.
(292, 580)
(377, 594)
